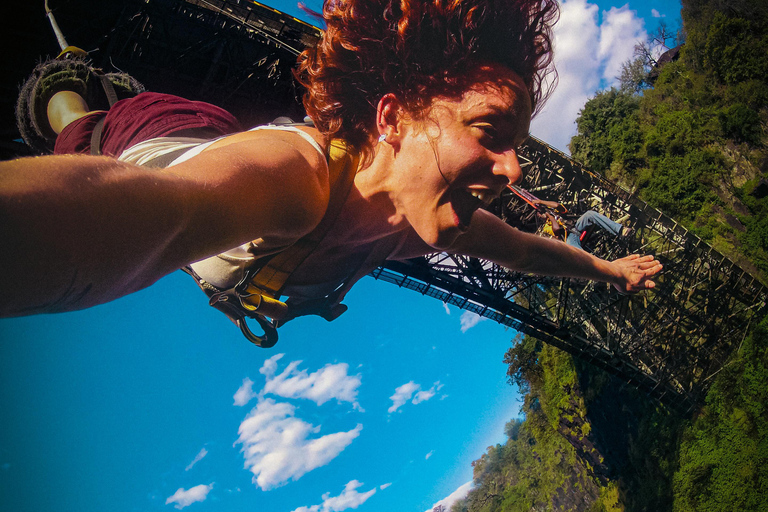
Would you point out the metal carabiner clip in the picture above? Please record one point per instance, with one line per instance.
(267, 340)
(230, 303)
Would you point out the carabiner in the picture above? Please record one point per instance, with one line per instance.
(267, 340)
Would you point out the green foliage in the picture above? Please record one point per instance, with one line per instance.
(610, 448)
(634, 76)
(681, 184)
(724, 452)
(735, 49)
(605, 449)
(741, 123)
(522, 364)
(609, 131)
(541, 465)
(756, 235)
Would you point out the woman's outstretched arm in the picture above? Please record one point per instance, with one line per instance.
(77, 231)
(492, 239)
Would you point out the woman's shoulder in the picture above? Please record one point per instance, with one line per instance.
(307, 140)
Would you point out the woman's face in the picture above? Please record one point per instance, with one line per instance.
(461, 156)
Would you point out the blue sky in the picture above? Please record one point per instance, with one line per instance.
(151, 402)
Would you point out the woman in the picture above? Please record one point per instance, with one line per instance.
(433, 97)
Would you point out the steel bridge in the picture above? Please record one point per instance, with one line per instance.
(669, 342)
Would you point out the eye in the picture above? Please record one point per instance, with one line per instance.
(487, 130)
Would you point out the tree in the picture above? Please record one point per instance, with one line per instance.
(634, 76)
(660, 41)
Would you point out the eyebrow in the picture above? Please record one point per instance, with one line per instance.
(506, 113)
(511, 117)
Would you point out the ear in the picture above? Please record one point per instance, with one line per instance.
(391, 119)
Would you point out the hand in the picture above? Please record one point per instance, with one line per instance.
(635, 273)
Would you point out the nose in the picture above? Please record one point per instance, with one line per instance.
(507, 165)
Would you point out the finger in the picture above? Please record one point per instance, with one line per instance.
(654, 269)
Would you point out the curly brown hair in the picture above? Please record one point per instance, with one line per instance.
(418, 50)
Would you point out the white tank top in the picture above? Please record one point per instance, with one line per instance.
(227, 269)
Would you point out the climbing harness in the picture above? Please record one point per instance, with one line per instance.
(257, 295)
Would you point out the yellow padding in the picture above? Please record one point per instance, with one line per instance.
(264, 305)
(342, 167)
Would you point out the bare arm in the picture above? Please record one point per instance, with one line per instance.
(492, 239)
(78, 231)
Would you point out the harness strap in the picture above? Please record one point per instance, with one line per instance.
(270, 279)
(330, 308)
(525, 195)
(96, 136)
(109, 90)
(257, 295)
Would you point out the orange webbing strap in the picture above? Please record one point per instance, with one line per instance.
(260, 293)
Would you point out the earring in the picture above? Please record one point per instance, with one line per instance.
(382, 137)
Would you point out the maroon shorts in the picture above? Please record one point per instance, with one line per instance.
(144, 117)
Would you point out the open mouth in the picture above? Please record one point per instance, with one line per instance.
(465, 202)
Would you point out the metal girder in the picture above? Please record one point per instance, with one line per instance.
(239, 55)
(668, 341)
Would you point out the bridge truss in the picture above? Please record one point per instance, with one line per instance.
(669, 342)
(237, 54)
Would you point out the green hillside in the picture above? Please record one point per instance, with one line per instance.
(693, 144)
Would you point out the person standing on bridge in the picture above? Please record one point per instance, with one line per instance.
(420, 104)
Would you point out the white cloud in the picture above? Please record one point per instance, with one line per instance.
(456, 495)
(202, 453)
(469, 320)
(657, 14)
(349, 498)
(427, 456)
(384, 486)
(402, 394)
(329, 382)
(277, 446)
(423, 396)
(244, 393)
(270, 365)
(184, 498)
(620, 32)
(588, 56)
(406, 392)
(447, 309)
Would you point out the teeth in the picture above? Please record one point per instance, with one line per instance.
(482, 196)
